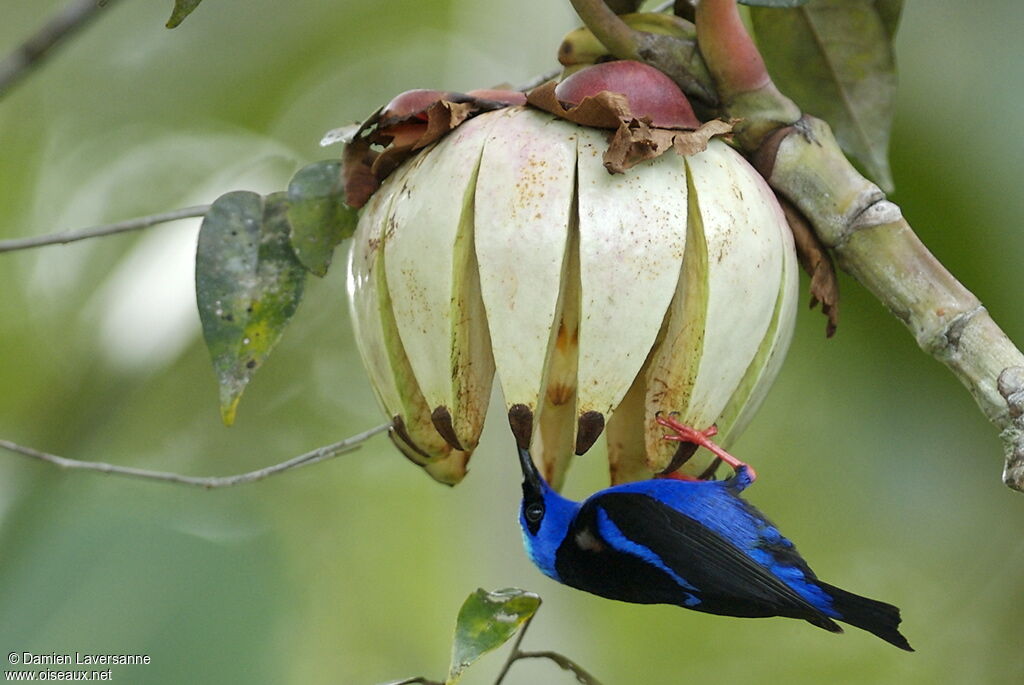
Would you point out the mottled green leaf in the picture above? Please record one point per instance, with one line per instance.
(182, 8)
(773, 3)
(248, 285)
(835, 59)
(487, 620)
(319, 217)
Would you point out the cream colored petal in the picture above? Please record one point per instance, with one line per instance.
(432, 279)
(364, 299)
(554, 434)
(627, 451)
(672, 367)
(449, 470)
(380, 346)
(726, 299)
(744, 272)
(524, 200)
(632, 237)
(554, 440)
(766, 365)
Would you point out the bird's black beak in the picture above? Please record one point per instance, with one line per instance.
(531, 477)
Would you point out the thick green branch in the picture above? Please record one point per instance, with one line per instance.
(874, 243)
(871, 240)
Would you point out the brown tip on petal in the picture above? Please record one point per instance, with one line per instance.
(682, 455)
(400, 438)
(588, 430)
(520, 419)
(442, 419)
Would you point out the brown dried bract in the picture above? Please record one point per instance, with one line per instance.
(365, 166)
(816, 261)
(604, 110)
(635, 140)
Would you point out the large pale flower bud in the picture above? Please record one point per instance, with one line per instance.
(599, 299)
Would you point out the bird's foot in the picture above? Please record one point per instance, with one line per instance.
(703, 438)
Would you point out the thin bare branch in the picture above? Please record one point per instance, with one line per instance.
(104, 230)
(565, 663)
(514, 654)
(61, 26)
(208, 482)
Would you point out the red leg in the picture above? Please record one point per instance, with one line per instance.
(703, 438)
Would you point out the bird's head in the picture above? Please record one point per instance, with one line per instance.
(544, 516)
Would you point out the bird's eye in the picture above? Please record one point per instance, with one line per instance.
(534, 512)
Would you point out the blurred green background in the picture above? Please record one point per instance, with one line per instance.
(872, 457)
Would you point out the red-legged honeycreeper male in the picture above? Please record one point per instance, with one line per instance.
(696, 544)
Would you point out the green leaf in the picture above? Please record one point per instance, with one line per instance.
(487, 620)
(773, 3)
(248, 285)
(319, 217)
(182, 8)
(835, 59)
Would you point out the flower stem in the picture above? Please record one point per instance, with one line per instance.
(676, 57)
(614, 34)
(745, 89)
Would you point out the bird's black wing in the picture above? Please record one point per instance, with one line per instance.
(724, 578)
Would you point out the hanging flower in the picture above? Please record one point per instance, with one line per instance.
(508, 249)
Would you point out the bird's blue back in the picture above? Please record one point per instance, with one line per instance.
(715, 505)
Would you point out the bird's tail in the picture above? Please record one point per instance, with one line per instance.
(875, 617)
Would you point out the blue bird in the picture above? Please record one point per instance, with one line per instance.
(696, 544)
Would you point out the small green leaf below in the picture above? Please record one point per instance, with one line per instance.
(835, 59)
(248, 285)
(773, 3)
(182, 8)
(487, 620)
(319, 217)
